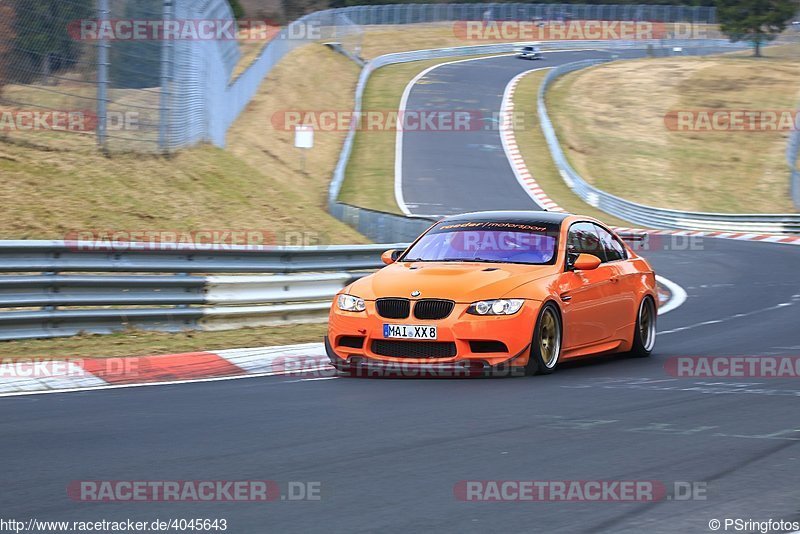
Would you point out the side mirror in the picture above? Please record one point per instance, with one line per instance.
(586, 262)
(390, 256)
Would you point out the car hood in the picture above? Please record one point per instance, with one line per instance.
(461, 282)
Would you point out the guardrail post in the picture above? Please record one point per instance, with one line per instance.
(103, 13)
(52, 289)
(164, 96)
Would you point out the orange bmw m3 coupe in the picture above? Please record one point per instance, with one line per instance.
(497, 291)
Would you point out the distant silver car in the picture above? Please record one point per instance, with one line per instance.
(530, 52)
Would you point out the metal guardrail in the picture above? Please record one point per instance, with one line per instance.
(225, 101)
(390, 59)
(381, 226)
(427, 13)
(105, 290)
(384, 227)
(61, 256)
(650, 216)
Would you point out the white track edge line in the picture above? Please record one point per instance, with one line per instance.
(398, 144)
(165, 383)
(678, 295)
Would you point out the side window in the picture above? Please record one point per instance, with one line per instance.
(614, 250)
(583, 239)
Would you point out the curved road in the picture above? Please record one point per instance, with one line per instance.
(388, 453)
(448, 172)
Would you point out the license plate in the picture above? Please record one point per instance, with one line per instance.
(409, 331)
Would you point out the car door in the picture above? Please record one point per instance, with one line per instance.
(621, 300)
(584, 294)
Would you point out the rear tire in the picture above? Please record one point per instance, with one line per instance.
(546, 344)
(644, 336)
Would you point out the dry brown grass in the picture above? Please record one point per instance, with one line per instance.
(369, 180)
(610, 120)
(312, 79)
(536, 154)
(256, 182)
(378, 40)
(383, 39)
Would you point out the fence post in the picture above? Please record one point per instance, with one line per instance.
(163, 112)
(102, 79)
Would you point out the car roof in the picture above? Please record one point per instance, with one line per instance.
(527, 217)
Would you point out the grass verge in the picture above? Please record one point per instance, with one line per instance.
(369, 178)
(145, 343)
(378, 40)
(610, 120)
(384, 39)
(256, 183)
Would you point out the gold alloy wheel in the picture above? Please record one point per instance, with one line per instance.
(549, 338)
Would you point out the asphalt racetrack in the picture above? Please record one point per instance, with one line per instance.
(389, 453)
(445, 172)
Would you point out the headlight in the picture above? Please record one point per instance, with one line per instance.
(495, 307)
(350, 303)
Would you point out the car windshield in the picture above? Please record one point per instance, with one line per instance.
(490, 242)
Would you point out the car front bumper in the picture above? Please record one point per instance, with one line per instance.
(464, 332)
(367, 367)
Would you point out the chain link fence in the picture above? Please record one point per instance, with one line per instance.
(67, 83)
(141, 76)
(45, 75)
(426, 13)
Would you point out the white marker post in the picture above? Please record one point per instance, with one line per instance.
(303, 139)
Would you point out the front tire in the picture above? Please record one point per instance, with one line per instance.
(644, 337)
(546, 345)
